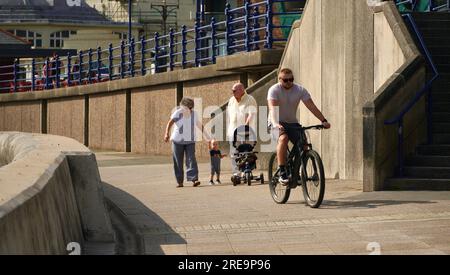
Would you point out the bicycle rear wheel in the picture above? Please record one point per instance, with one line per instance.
(313, 179)
(280, 194)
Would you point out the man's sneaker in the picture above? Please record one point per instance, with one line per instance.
(211, 182)
(195, 183)
(284, 180)
(218, 182)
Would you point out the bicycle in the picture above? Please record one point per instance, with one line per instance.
(304, 167)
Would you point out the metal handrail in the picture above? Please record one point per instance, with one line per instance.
(432, 5)
(424, 91)
(248, 28)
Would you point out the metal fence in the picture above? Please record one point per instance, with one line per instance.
(247, 28)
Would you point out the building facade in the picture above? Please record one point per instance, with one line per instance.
(60, 24)
(153, 15)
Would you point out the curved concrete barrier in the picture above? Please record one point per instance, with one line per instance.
(50, 195)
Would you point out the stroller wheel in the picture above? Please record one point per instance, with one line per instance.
(261, 178)
(235, 180)
(248, 179)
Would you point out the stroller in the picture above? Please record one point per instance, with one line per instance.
(244, 140)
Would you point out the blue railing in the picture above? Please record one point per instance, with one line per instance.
(247, 28)
(424, 91)
(423, 5)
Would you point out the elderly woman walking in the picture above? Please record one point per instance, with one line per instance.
(188, 128)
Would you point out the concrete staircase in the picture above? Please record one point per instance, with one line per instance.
(429, 167)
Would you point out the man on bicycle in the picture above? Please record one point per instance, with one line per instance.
(283, 100)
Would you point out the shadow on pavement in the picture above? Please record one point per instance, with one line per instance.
(139, 230)
(367, 204)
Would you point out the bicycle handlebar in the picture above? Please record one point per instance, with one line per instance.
(316, 127)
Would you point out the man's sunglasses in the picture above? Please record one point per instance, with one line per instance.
(286, 80)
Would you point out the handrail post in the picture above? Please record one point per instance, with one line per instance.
(111, 61)
(269, 24)
(247, 25)
(80, 71)
(213, 40)
(122, 59)
(229, 29)
(99, 64)
(184, 46)
(33, 74)
(196, 50)
(47, 70)
(57, 69)
(400, 148)
(143, 69)
(15, 71)
(89, 65)
(132, 55)
(171, 49)
(256, 26)
(156, 51)
(69, 69)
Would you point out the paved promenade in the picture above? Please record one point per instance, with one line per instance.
(229, 220)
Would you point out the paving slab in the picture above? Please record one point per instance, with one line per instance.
(226, 219)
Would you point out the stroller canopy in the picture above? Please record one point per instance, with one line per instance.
(244, 135)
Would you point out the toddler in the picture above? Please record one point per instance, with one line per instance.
(216, 156)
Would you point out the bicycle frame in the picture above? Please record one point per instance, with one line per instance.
(298, 150)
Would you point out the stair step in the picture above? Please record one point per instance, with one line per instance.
(436, 31)
(411, 184)
(441, 59)
(442, 85)
(443, 68)
(432, 24)
(427, 172)
(437, 41)
(431, 16)
(430, 161)
(443, 78)
(434, 150)
(438, 50)
(441, 97)
(441, 128)
(440, 117)
(441, 107)
(441, 138)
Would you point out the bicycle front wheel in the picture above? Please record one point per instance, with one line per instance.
(313, 179)
(280, 194)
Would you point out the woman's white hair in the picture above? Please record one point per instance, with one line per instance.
(187, 102)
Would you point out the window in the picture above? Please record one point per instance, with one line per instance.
(33, 37)
(57, 38)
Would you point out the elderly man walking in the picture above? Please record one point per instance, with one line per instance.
(241, 110)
